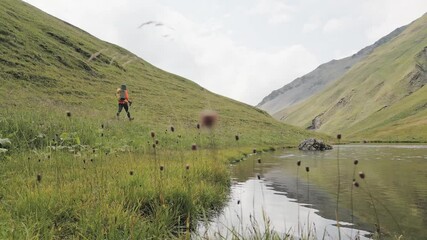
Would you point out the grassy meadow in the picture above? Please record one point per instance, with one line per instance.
(93, 193)
(66, 175)
(72, 177)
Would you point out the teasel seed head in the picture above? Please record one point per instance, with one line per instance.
(356, 162)
(208, 118)
(299, 163)
(39, 178)
(362, 175)
(307, 169)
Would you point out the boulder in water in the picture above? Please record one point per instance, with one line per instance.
(314, 145)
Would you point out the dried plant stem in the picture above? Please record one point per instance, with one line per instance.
(338, 187)
(378, 227)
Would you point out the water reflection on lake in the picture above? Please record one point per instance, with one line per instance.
(278, 193)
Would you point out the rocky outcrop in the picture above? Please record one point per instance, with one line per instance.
(313, 145)
(4, 145)
(315, 123)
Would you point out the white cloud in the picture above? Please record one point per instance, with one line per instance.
(334, 25)
(310, 27)
(223, 66)
(277, 11)
(385, 17)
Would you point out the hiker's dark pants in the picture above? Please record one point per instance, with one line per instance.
(126, 107)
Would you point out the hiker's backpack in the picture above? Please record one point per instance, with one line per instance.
(122, 94)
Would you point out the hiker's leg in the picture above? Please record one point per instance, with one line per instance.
(120, 109)
(127, 110)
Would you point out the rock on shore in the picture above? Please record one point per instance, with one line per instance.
(314, 145)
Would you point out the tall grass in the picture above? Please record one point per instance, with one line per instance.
(297, 185)
(113, 195)
(338, 186)
(67, 177)
(70, 176)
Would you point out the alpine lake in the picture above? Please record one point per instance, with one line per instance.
(271, 193)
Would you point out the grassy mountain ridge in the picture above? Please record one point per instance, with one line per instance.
(382, 97)
(49, 65)
(303, 87)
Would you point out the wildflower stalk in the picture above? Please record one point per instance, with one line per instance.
(339, 186)
(389, 212)
(161, 185)
(378, 226)
(187, 180)
(307, 169)
(351, 195)
(298, 165)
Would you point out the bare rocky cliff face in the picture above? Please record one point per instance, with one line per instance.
(315, 81)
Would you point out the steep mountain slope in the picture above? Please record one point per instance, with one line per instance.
(48, 67)
(383, 97)
(317, 80)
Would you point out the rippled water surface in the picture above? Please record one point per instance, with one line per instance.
(279, 194)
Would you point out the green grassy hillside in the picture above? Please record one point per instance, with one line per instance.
(49, 67)
(381, 98)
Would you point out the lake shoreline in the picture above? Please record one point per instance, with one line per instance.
(323, 174)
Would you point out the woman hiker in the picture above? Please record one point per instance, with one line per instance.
(124, 102)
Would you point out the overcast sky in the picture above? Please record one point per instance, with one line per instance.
(242, 49)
